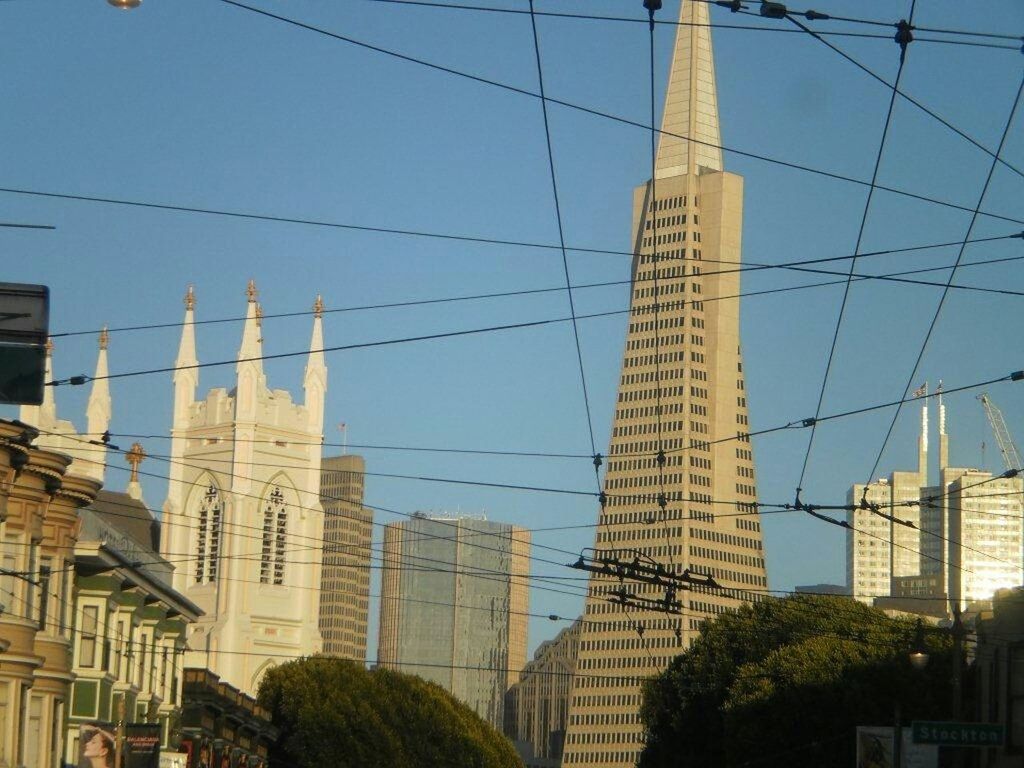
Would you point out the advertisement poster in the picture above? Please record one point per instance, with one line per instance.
(174, 760)
(96, 745)
(874, 749)
(142, 745)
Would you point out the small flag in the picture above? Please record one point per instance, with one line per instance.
(921, 391)
(938, 389)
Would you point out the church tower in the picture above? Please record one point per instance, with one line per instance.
(243, 510)
(680, 487)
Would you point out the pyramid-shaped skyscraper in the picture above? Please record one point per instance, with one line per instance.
(681, 398)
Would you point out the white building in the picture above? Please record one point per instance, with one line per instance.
(243, 506)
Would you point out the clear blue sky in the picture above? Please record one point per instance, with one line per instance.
(198, 103)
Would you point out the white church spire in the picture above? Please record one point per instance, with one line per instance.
(44, 415)
(98, 410)
(315, 380)
(249, 368)
(691, 104)
(186, 375)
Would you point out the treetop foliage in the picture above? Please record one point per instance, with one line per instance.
(791, 677)
(333, 712)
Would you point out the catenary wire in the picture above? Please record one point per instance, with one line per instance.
(894, 89)
(576, 107)
(952, 274)
(561, 236)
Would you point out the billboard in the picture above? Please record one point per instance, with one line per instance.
(97, 745)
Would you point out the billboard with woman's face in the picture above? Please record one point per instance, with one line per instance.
(96, 745)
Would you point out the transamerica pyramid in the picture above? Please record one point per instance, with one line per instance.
(680, 485)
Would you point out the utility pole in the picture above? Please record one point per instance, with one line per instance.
(958, 653)
(119, 735)
(897, 739)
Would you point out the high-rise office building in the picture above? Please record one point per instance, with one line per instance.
(537, 706)
(965, 540)
(345, 583)
(453, 606)
(680, 485)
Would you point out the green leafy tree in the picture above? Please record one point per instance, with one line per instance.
(786, 682)
(333, 712)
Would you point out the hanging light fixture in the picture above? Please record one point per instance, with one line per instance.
(919, 652)
(125, 5)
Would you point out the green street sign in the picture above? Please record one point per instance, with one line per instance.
(958, 734)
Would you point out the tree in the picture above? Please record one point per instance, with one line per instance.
(333, 712)
(785, 682)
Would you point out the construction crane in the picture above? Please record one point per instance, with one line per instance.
(1009, 451)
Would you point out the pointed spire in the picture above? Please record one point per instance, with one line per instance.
(98, 410)
(251, 349)
(186, 375)
(315, 380)
(48, 410)
(45, 414)
(922, 440)
(691, 105)
(943, 437)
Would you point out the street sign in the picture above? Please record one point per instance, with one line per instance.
(24, 325)
(24, 313)
(958, 734)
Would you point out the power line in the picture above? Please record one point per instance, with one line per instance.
(83, 379)
(580, 108)
(952, 274)
(744, 267)
(718, 25)
(561, 240)
(895, 88)
(860, 236)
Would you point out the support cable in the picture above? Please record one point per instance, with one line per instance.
(860, 235)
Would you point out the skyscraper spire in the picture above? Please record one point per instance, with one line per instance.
(315, 380)
(691, 104)
(683, 408)
(922, 440)
(98, 410)
(943, 437)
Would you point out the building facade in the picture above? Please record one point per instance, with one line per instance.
(964, 540)
(222, 726)
(348, 530)
(537, 706)
(243, 504)
(131, 624)
(39, 500)
(453, 609)
(679, 452)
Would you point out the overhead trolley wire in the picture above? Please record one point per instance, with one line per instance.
(577, 107)
(83, 379)
(860, 236)
(743, 267)
(952, 274)
(561, 241)
(719, 25)
(895, 88)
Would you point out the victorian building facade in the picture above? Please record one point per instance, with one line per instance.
(243, 501)
(39, 500)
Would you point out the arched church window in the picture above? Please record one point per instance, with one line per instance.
(208, 530)
(275, 528)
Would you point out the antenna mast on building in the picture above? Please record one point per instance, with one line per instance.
(1008, 449)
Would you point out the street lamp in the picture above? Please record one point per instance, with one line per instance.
(918, 653)
(125, 5)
